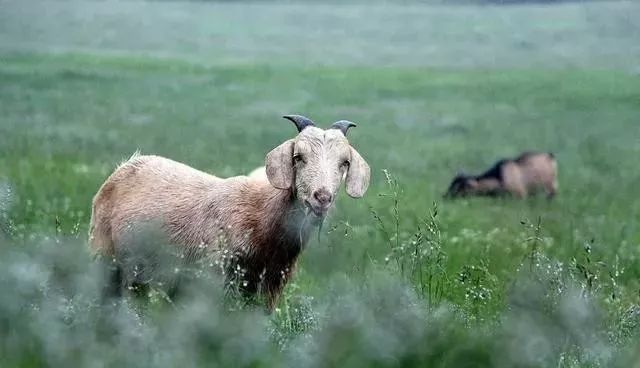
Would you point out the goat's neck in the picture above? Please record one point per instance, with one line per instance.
(287, 220)
(279, 238)
(487, 184)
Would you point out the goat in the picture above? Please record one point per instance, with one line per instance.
(265, 219)
(519, 177)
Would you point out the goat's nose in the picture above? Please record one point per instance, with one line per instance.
(322, 196)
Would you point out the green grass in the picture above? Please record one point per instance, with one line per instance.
(75, 104)
(584, 35)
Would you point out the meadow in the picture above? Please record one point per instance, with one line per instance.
(399, 278)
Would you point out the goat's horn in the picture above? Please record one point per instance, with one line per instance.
(301, 122)
(343, 125)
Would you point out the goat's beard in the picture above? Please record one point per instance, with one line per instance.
(310, 219)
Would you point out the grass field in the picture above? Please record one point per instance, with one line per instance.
(477, 282)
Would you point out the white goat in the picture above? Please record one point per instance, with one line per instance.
(266, 219)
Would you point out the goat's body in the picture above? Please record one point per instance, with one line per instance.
(202, 215)
(253, 227)
(521, 176)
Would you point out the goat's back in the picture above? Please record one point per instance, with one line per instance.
(156, 191)
(537, 169)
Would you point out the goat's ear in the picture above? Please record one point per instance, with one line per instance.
(279, 165)
(358, 175)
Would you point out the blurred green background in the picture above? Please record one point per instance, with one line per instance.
(434, 89)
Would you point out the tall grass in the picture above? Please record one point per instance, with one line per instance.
(404, 311)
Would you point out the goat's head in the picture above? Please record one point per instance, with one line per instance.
(461, 186)
(315, 163)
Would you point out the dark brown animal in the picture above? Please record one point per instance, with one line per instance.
(520, 177)
(262, 222)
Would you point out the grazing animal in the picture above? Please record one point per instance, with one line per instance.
(264, 220)
(519, 177)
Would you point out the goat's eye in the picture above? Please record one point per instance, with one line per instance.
(346, 163)
(297, 158)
